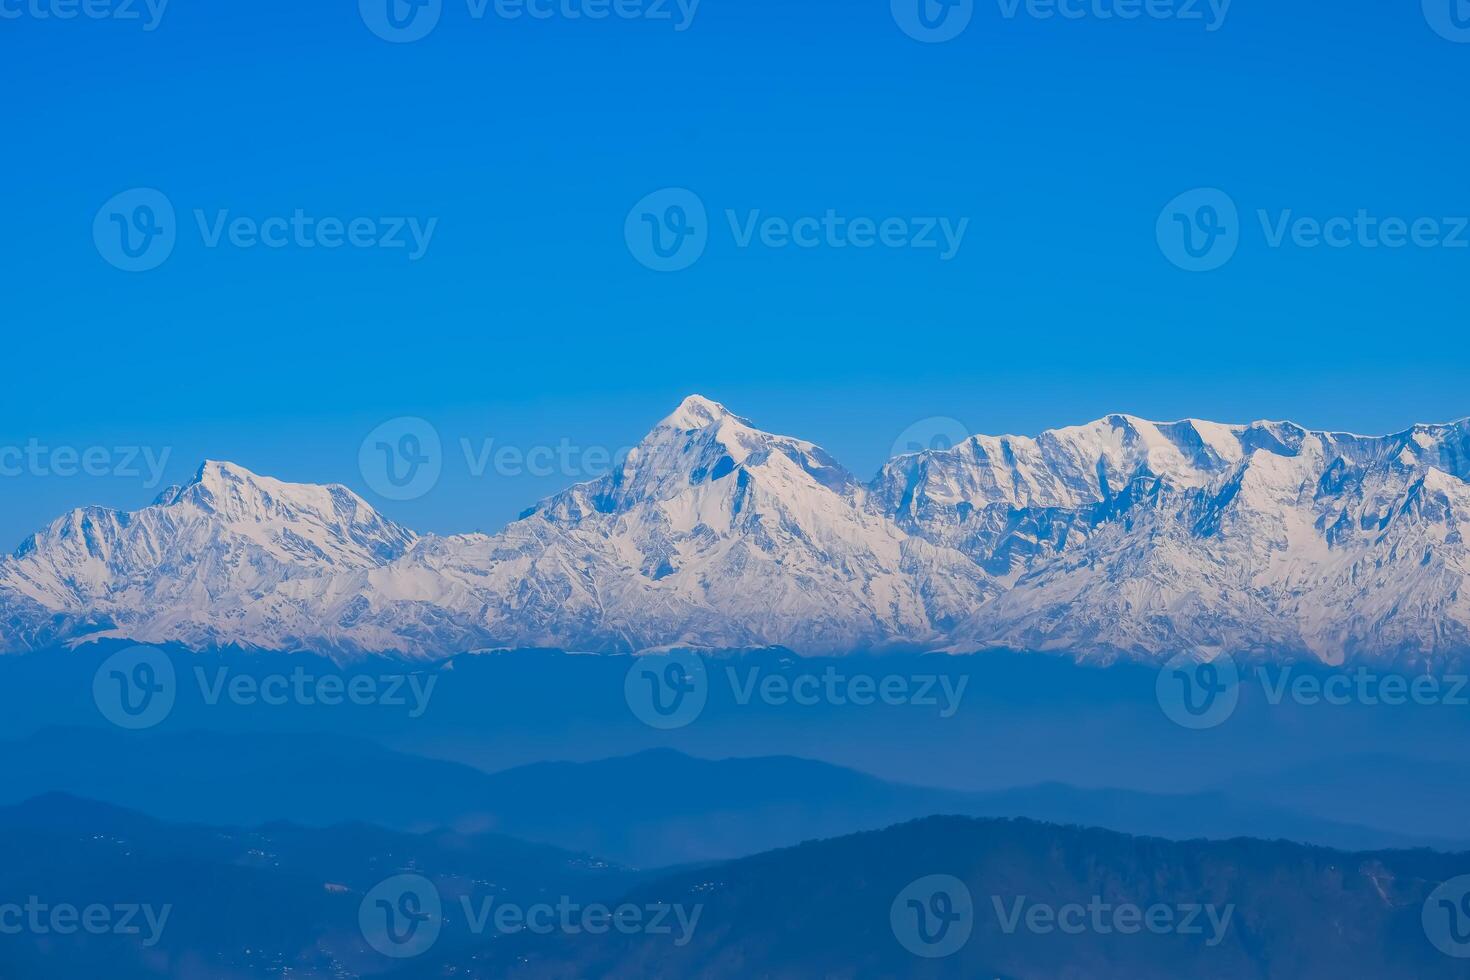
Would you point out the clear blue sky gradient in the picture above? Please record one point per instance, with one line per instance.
(529, 321)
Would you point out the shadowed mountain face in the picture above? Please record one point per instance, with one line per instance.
(655, 808)
(232, 903)
(1020, 900)
(1119, 538)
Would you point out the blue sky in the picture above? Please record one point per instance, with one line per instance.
(529, 320)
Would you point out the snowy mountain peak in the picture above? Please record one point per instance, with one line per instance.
(696, 412)
(702, 437)
(215, 470)
(337, 520)
(702, 445)
(1117, 537)
(195, 557)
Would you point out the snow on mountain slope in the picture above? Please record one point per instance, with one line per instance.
(1009, 501)
(711, 534)
(1284, 542)
(1121, 537)
(185, 567)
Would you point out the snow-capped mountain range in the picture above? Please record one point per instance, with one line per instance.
(1119, 538)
